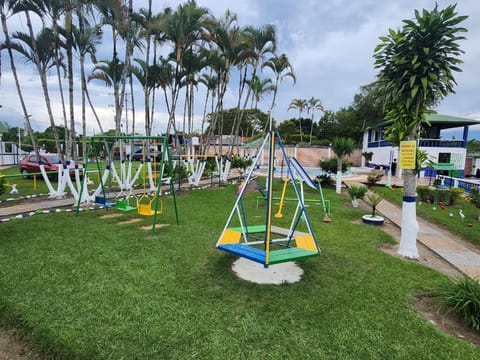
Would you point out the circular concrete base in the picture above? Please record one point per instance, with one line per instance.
(288, 272)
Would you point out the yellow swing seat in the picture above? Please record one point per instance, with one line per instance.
(148, 208)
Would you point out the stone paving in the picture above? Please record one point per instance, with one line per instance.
(461, 255)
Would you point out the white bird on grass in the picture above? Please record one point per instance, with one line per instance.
(462, 215)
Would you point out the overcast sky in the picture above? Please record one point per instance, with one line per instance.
(330, 44)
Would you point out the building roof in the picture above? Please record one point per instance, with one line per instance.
(443, 121)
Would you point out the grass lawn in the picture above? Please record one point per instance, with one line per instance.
(87, 287)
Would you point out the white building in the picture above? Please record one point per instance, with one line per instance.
(439, 150)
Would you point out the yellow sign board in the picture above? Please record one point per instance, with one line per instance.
(408, 154)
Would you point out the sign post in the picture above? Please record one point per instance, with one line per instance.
(408, 154)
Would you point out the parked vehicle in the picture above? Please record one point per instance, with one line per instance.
(152, 154)
(30, 163)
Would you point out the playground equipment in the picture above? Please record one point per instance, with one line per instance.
(279, 214)
(269, 244)
(301, 172)
(149, 207)
(145, 205)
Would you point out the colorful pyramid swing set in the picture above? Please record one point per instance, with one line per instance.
(269, 244)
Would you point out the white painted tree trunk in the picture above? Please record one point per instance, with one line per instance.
(408, 238)
(339, 182)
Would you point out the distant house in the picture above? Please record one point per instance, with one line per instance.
(440, 150)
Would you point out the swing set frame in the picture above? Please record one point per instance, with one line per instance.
(156, 204)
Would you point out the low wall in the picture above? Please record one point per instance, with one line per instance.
(308, 156)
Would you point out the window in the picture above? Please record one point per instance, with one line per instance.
(444, 157)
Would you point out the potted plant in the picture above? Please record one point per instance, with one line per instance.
(373, 219)
(357, 192)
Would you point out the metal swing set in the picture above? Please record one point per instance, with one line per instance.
(145, 204)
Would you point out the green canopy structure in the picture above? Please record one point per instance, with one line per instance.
(445, 167)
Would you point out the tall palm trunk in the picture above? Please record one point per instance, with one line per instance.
(43, 80)
(72, 150)
(17, 83)
(58, 68)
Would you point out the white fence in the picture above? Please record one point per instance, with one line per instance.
(10, 154)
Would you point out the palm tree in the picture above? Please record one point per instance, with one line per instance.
(229, 45)
(313, 104)
(87, 39)
(259, 42)
(55, 10)
(281, 67)
(416, 66)
(301, 106)
(184, 28)
(211, 82)
(109, 72)
(114, 15)
(40, 51)
(342, 147)
(259, 88)
(9, 8)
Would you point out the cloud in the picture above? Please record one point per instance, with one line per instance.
(329, 43)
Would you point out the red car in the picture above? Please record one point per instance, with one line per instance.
(30, 164)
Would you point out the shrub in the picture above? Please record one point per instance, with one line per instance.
(330, 165)
(2, 187)
(373, 179)
(455, 194)
(425, 193)
(180, 172)
(325, 180)
(357, 191)
(475, 197)
(463, 297)
(241, 162)
(432, 194)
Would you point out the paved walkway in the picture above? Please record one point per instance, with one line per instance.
(461, 255)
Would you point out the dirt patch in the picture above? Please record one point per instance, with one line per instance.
(450, 323)
(430, 308)
(110, 216)
(149, 227)
(131, 221)
(12, 348)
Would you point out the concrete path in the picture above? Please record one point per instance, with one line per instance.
(457, 252)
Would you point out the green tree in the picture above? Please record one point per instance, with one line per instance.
(312, 105)
(342, 147)
(473, 146)
(416, 66)
(301, 106)
(282, 69)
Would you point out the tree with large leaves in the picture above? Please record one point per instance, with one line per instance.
(416, 66)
